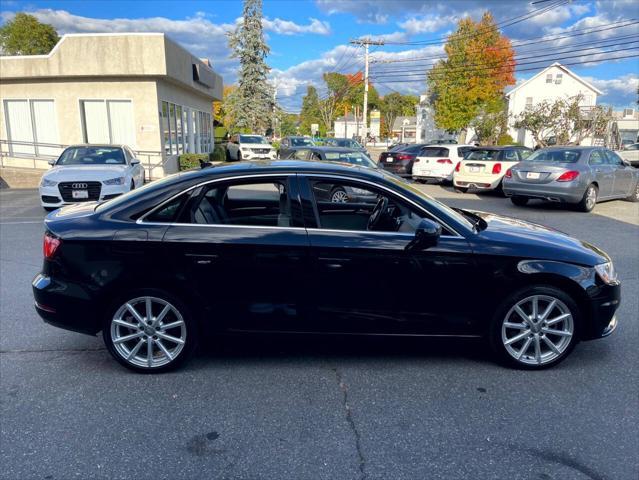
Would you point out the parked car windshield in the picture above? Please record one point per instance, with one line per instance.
(343, 142)
(252, 139)
(92, 156)
(483, 154)
(302, 142)
(355, 158)
(559, 156)
(434, 152)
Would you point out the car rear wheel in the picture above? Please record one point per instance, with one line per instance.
(339, 195)
(589, 199)
(519, 201)
(149, 331)
(634, 196)
(461, 189)
(535, 328)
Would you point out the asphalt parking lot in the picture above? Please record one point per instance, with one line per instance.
(255, 408)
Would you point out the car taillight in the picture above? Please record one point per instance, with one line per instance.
(445, 160)
(508, 174)
(496, 168)
(403, 157)
(568, 176)
(50, 245)
(458, 166)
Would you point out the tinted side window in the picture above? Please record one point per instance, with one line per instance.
(510, 156)
(169, 212)
(461, 151)
(613, 158)
(301, 154)
(596, 158)
(248, 204)
(524, 154)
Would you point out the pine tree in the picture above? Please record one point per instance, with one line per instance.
(253, 101)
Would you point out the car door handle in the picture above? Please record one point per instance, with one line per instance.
(202, 259)
(333, 263)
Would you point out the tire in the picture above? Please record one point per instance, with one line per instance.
(634, 196)
(172, 355)
(461, 189)
(519, 201)
(338, 195)
(50, 209)
(507, 324)
(589, 200)
(132, 185)
(239, 156)
(228, 155)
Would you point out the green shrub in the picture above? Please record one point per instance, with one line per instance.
(276, 145)
(218, 154)
(188, 161)
(505, 139)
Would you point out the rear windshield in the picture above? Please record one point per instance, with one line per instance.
(559, 156)
(301, 142)
(355, 158)
(487, 155)
(434, 152)
(343, 142)
(461, 151)
(92, 156)
(411, 149)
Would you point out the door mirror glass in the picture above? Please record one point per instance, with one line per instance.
(426, 236)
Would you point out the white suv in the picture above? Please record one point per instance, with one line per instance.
(85, 173)
(249, 147)
(437, 162)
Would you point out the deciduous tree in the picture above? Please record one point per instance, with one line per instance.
(479, 64)
(394, 105)
(25, 35)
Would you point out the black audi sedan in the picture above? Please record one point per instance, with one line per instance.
(253, 247)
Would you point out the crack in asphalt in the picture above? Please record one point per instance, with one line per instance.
(26, 350)
(351, 423)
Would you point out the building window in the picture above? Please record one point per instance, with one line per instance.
(29, 123)
(108, 121)
(185, 130)
(558, 78)
(529, 102)
(166, 129)
(549, 78)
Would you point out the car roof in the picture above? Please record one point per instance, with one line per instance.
(445, 145)
(500, 147)
(96, 145)
(571, 147)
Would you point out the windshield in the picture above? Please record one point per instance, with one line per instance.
(482, 155)
(343, 142)
(559, 156)
(355, 158)
(302, 142)
(92, 156)
(400, 182)
(252, 139)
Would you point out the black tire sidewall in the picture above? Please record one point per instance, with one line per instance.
(519, 201)
(191, 329)
(494, 329)
(582, 206)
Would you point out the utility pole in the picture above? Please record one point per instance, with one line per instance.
(366, 42)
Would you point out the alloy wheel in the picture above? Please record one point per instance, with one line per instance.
(591, 197)
(148, 332)
(537, 330)
(339, 196)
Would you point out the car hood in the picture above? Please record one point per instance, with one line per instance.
(507, 235)
(70, 173)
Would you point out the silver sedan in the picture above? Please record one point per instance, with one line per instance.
(581, 176)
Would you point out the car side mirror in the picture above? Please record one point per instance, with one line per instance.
(51, 162)
(426, 236)
(135, 161)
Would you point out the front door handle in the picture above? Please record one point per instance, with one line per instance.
(334, 263)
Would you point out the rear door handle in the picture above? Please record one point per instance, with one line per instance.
(334, 263)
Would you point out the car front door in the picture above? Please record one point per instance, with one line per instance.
(241, 246)
(365, 280)
(624, 175)
(603, 173)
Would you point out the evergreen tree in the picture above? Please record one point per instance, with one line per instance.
(252, 102)
(310, 112)
(25, 35)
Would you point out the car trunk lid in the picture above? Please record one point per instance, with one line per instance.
(528, 172)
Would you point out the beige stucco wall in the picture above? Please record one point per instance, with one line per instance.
(68, 94)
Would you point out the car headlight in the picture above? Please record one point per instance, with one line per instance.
(114, 181)
(359, 191)
(245, 149)
(48, 183)
(607, 272)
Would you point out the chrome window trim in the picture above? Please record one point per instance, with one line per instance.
(383, 187)
(140, 221)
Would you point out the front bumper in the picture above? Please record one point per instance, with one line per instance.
(566, 192)
(604, 302)
(50, 197)
(258, 156)
(65, 305)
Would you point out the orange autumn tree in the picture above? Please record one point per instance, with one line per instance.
(470, 82)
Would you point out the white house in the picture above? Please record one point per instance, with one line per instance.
(350, 126)
(427, 131)
(550, 84)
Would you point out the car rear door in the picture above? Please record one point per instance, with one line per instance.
(624, 175)
(240, 244)
(366, 281)
(603, 173)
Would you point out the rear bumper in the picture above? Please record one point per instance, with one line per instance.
(554, 192)
(482, 182)
(66, 305)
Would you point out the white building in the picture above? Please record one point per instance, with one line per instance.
(550, 84)
(351, 126)
(427, 131)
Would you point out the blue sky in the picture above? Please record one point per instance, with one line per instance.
(309, 37)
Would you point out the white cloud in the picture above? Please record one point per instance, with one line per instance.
(286, 27)
(388, 37)
(426, 24)
(619, 92)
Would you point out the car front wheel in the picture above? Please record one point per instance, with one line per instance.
(535, 328)
(519, 201)
(149, 332)
(634, 196)
(589, 200)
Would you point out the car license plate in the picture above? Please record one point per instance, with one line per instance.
(389, 159)
(79, 194)
(474, 169)
(532, 175)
